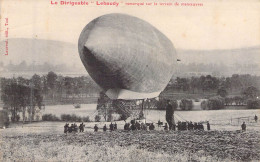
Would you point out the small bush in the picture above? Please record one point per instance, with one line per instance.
(239, 100)
(4, 118)
(50, 117)
(186, 104)
(97, 118)
(253, 104)
(162, 103)
(123, 117)
(203, 105)
(71, 118)
(76, 118)
(86, 119)
(228, 100)
(222, 92)
(216, 103)
(15, 118)
(65, 117)
(174, 104)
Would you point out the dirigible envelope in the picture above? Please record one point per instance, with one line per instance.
(126, 56)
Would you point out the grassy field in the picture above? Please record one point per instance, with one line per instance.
(85, 110)
(216, 117)
(45, 141)
(49, 144)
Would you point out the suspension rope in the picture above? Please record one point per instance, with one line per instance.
(181, 117)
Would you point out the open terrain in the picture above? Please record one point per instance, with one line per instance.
(215, 117)
(32, 143)
(45, 141)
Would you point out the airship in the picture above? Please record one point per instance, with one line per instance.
(126, 56)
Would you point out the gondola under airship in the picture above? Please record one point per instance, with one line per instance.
(126, 56)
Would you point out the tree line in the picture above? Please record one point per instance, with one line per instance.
(210, 84)
(22, 94)
(57, 87)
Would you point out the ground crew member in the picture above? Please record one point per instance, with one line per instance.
(95, 128)
(208, 126)
(195, 126)
(105, 128)
(243, 126)
(70, 128)
(169, 114)
(81, 127)
(115, 126)
(75, 127)
(111, 126)
(174, 127)
(151, 127)
(166, 126)
(66, 126)
(256, 118)
(126, 126)
(145, 127)
(137, 125)
(133, 127)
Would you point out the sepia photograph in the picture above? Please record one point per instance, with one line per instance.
(129, 81)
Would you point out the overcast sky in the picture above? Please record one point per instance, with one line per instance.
(217, 25)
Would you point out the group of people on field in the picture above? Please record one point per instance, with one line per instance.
(243, 126)
(190, 126)
(137, 125)
(112, 127)
(73, 128)
(180, 125)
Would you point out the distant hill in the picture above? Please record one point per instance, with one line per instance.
(41, 52)
(49, 55)
(250, 55)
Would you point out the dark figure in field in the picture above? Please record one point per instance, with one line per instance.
(133, 127)
(75, 127)
(95, 128)
(166, 126)
(71, 128)
(132, 121)
(190, 126)
(144, 127)
(208, 126)
(159, 123)
(105, 128)
(174, 127)
(138, 125)
(111, 126)
(151, 127)
(115, 126)
(184, 125)
(81, 127)
(195, 126)
(243, 126)
(127, 126)
(66, 127)
(169, 114)
(256, 118)
(179, 125)
(200, 126)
